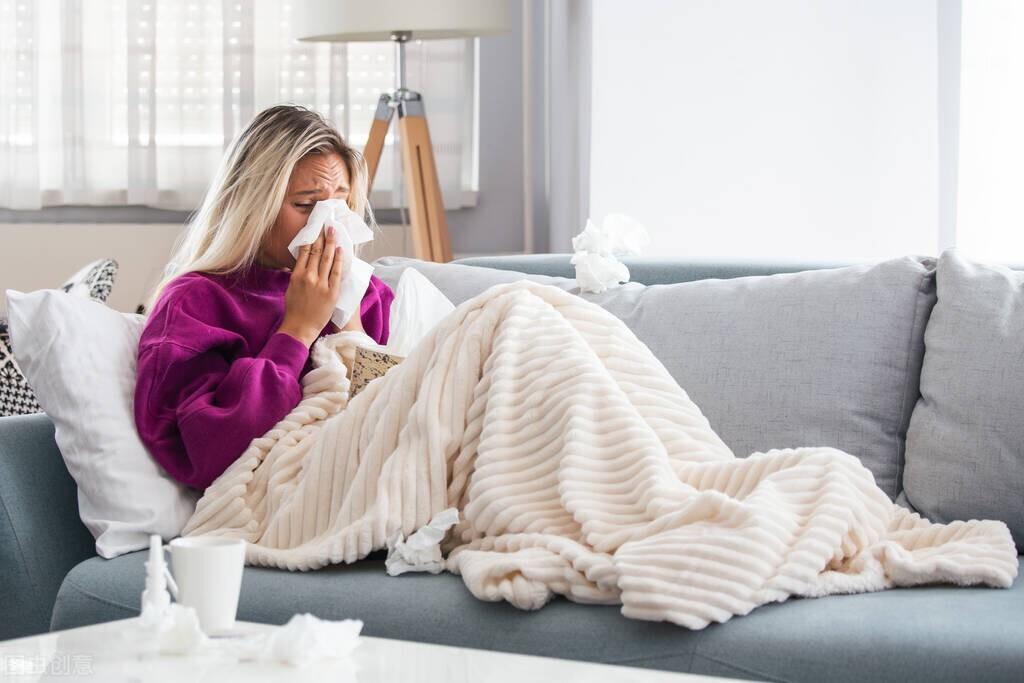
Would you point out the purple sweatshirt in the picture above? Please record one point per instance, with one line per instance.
(213, 372)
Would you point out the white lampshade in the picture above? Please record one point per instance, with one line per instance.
(356, 20)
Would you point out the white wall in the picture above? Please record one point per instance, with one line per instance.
(788, 129)
(43, 255)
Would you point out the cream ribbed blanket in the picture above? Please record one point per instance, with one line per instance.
(579, 467)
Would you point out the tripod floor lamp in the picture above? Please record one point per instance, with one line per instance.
(401, 21)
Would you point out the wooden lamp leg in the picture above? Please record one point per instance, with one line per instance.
(375, 143)
(429, 223)
(431, 241)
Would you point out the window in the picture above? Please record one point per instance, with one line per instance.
(990, 215)
(133, 101)
(812, 131)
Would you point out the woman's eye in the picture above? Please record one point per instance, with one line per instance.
(304, 206)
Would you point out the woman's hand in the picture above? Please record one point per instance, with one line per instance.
(313, 291)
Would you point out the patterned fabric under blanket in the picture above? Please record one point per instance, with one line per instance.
(579, 467)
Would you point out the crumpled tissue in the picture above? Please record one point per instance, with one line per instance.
(597, 251)
(350, 230)
(306, 639)
(174, 629)
(421, 552)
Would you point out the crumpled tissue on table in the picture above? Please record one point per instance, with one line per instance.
(305, 639)
(168, 628)
(597, 251)
(421, 552)
(174, 629)
(350, 230)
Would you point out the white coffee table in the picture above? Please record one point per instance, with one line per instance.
(108, 653)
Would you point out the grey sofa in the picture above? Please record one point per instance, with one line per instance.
(785, 360)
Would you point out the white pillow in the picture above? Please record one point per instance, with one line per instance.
(79, 357)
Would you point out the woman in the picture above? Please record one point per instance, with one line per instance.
(228, 337)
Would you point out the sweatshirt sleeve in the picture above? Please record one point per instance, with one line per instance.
(197, 408)
(375, 311)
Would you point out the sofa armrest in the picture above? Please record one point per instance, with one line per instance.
(41, 535)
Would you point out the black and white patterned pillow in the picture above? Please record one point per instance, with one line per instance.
(16, 397)
(94, 280)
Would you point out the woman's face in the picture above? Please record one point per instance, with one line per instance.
(316, 177)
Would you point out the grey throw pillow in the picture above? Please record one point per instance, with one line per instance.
(965, 447)
(819, 358)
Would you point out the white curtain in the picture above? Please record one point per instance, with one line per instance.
(133, 101)
(556, 114)
(569, 106)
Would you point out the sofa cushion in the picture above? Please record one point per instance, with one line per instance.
(41, 535)
(921, 634)
(965, 447)
(817, 358)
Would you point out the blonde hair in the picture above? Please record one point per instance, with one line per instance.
(246, 194)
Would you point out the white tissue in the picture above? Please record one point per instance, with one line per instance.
(597, 250)
(619, 235)
(350, 230)
(421, 552)
(306, 639)
(177, 631)
(596, 273)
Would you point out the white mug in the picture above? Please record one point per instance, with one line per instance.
(207, 576)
